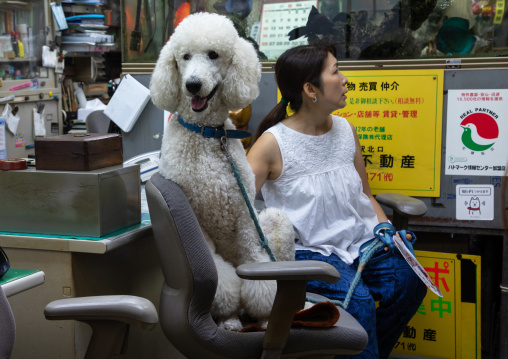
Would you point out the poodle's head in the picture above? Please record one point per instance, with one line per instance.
(205, 68)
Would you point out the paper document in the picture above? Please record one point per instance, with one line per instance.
(415, 265)
(127, 103)
(3, 149)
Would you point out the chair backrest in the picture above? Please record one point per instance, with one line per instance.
(7, 327)
(190, 280)
(97, 122)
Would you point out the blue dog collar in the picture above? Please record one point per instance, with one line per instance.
(214, 132)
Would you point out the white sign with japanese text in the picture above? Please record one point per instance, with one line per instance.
(475, 202)
(477, 132)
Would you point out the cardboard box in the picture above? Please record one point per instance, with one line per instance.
(76, 203)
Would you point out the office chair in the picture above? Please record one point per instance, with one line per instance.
(190, 281)
(7, 327)
(98, 122)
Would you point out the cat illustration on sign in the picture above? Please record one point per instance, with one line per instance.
(474, 205)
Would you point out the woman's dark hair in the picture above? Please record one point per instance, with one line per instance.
(293, 69)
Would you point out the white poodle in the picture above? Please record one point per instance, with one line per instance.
(202, 73)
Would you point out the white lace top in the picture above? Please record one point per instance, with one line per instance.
(321, 191)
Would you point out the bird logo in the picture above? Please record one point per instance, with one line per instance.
(480, 131)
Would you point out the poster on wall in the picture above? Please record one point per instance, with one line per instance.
(477, 132)
(449, 326)
(278, 18)
(398, 120)
(475, 202)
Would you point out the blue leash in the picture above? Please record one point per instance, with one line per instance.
(373, 250)
(262, 238)
(220, 132)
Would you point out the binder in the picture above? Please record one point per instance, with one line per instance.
(127, 103)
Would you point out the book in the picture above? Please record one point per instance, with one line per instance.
(87, 38)
(127, 103)
(103, 47)
(8, 21)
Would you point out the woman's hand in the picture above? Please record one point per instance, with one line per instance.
(408, 237)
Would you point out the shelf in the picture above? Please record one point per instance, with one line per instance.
(18, 59)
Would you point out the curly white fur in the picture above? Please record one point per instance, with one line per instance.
(202, 73)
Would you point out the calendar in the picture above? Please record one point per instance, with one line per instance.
(277, 20)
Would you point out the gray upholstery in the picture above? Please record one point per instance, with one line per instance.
(189, 288)
(97, 122)
(7, 327)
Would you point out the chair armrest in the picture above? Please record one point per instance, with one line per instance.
(292, 277)
(291, 270)
(402, 204)
(124, 308)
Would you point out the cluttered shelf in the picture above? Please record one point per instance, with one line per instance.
(85, 25)
(90, 44)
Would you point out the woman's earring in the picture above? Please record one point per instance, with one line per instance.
(314, 99)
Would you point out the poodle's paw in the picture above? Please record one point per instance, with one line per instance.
(279, 231)
(307, 305)
(227, 295)
(257, 297)
(263, 323)
(233, 324)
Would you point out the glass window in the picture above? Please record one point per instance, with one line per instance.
(360, 29)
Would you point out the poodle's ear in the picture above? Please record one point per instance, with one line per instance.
(165, 81)
(240, 87)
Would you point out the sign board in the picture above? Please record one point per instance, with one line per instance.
(398, 119)
(475, 202)
(477, 132)
(447, 327)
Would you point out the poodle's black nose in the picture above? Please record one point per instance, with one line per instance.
(193, 85)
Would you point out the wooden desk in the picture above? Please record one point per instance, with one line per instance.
(124, 263)
(18, 280)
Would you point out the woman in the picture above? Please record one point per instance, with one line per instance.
(310, 165)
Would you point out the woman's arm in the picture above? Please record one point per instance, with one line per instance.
(360, 168)
(265, 159)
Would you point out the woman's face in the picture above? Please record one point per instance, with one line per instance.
(333, 91)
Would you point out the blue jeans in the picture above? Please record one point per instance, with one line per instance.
(390, 281)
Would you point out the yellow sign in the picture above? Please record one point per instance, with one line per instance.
(447, 327)
(498, 17)
(398, 119)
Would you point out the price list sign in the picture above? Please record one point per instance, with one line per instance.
(277, 20)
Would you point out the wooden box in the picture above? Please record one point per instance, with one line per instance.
(78, 152)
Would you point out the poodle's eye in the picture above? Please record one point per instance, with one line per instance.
(213, 55)
(186, 57)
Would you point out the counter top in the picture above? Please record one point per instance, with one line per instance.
(18, 280)
(58, 243)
